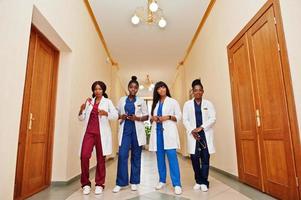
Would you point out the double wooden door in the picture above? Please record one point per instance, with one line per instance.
(262, 125)
(33, 171)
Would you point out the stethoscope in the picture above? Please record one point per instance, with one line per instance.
(203, 144)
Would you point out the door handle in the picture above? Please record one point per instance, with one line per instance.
(258, 121)
(31, 118)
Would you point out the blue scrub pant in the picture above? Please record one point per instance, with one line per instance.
(129, 142)
(172, 160)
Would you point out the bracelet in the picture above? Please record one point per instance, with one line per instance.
(169, 117)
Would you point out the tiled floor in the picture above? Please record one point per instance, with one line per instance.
(221, 187)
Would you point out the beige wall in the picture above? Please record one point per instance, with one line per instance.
(291, 16)
(14, 43)
(117, 92)
(179, 92)
(208, 60)
(78, 68)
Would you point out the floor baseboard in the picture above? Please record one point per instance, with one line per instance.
(77, 177)
(64, 183)
(227, 174)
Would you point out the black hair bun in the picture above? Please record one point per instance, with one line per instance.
(134, 78)
(196, 82)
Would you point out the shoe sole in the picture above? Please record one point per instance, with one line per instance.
(160, 188)
(116, 191)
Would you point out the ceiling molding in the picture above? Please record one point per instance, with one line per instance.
(115, 65)
(200, 27)
(180, 64)
(100, 35)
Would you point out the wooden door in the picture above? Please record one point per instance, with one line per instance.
(274, 130)
(36, 129)
(261, 96)
(244, 109)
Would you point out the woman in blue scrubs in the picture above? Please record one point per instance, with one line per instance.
(199, 119)
(132, 114)
(164, 137)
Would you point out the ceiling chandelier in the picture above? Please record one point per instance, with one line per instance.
(150, 15)
(148, 83)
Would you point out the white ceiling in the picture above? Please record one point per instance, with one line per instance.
(143, 49)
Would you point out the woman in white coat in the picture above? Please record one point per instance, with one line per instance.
(96, 113)
(199, 119)
(132, 112)
(164, 138)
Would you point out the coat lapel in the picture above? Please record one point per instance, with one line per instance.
(166, 105)
(193, 112)
(156, 109)
(90, 105)
(102, 101)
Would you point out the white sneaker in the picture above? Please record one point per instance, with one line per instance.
(160, 186)
(197, 186)
(178, 190)
(204, 188)
(116, 189)
(134, 187)
(86, 190)
(98, 190)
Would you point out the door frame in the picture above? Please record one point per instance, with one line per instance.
(24, 115)
(291, 106)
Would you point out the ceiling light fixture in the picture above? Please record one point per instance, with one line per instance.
(150, 15)
(135, 20)
(153, 6)
(147, 84)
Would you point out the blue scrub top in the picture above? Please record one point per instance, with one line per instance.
(159, 114)
(129, 108)
(198, 114)
(199, 122)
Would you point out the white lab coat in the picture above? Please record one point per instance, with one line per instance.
(209, 118)
(170, 129)
(140, 111)
(104, 125)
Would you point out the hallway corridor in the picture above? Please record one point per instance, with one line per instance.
(221, 187)
(215, 84)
